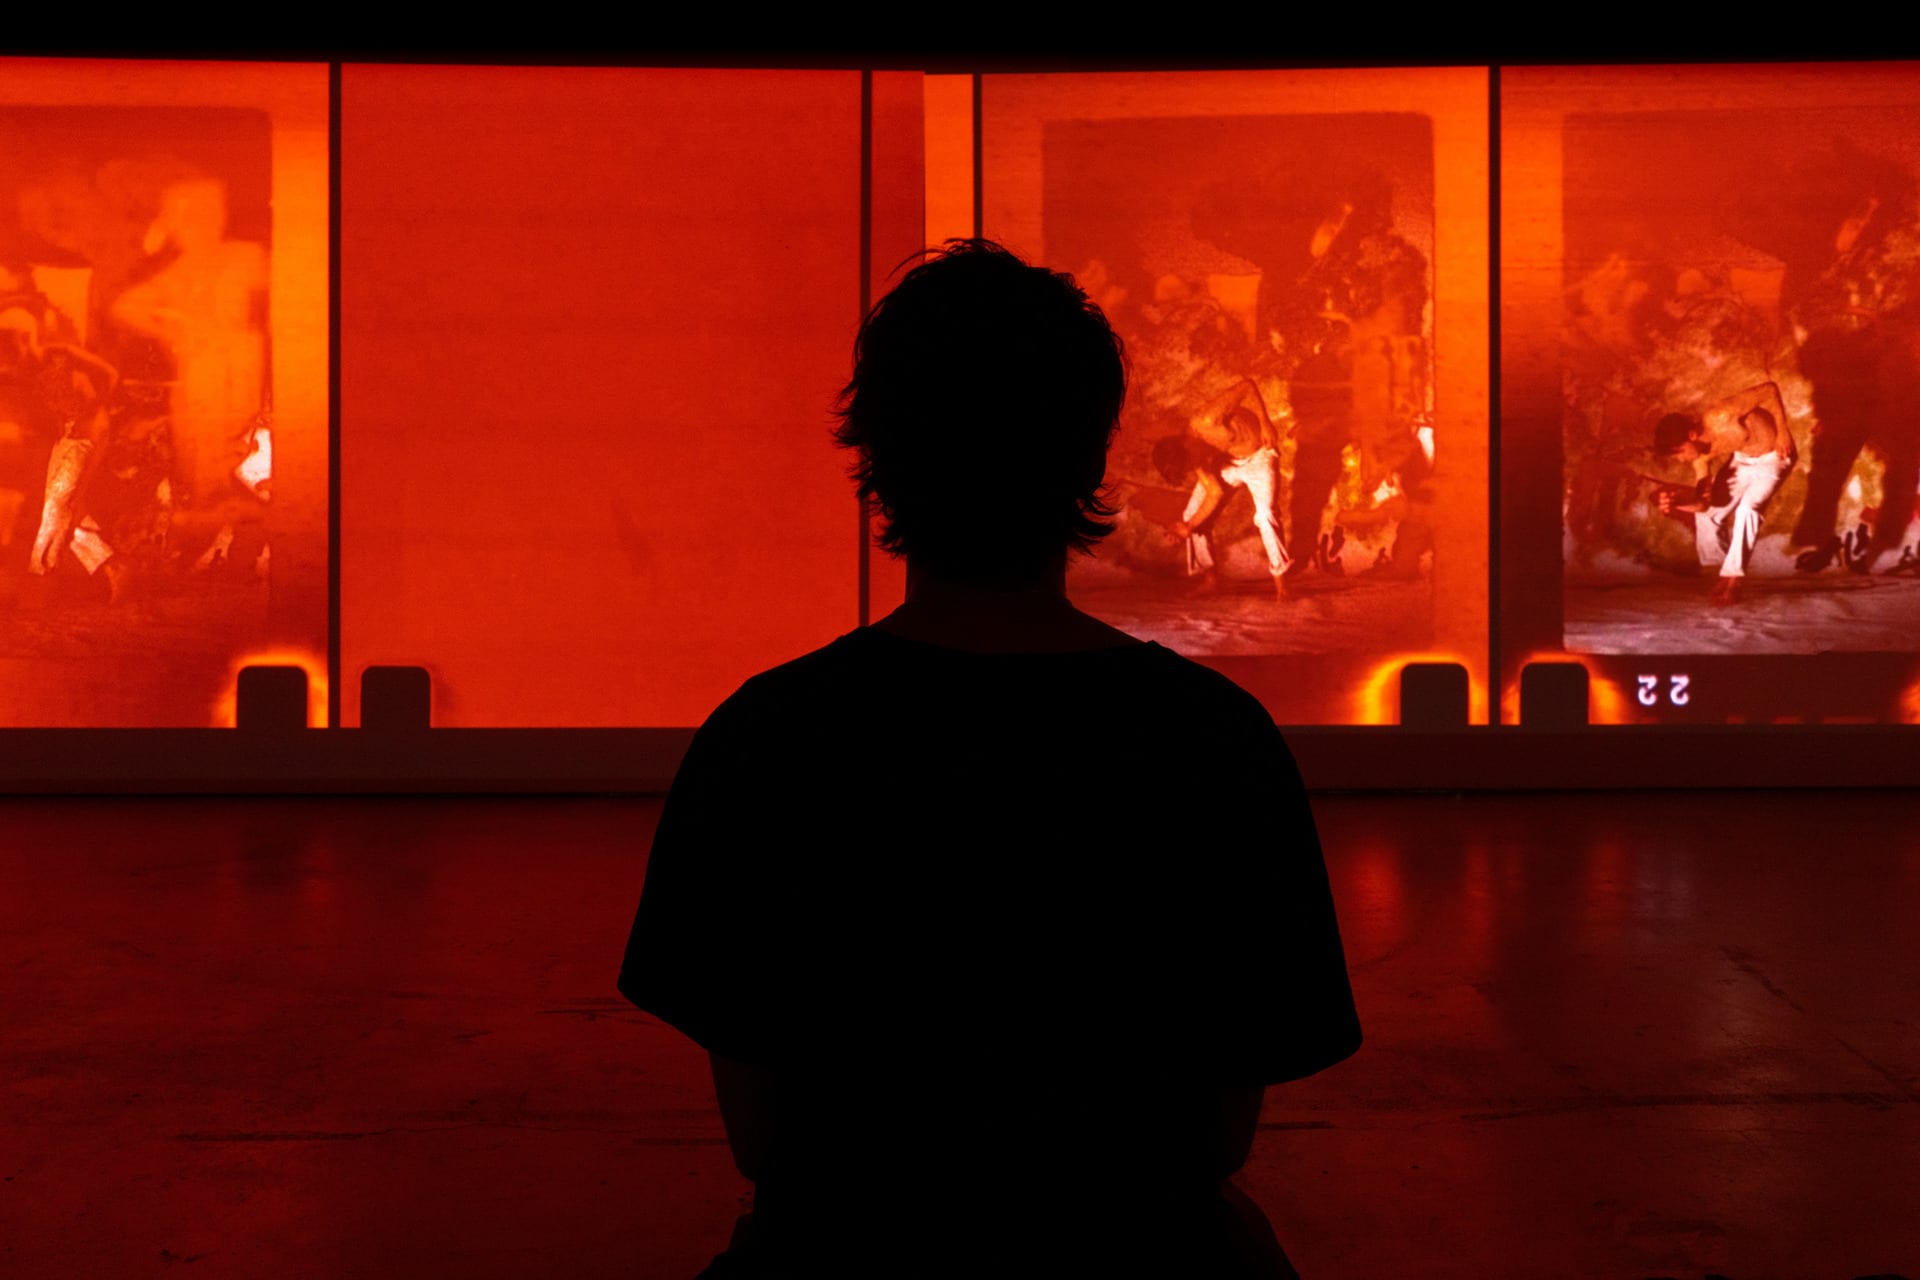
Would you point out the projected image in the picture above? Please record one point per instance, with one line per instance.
(1741, 376)
(1271, 277)
(137, 431)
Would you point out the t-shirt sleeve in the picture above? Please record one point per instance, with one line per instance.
(1271, 1000)
(695, 956)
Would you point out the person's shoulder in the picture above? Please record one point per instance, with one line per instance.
(817, 673)
(769, 711)
(1202, 691)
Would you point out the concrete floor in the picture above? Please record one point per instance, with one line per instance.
(1613, 1035)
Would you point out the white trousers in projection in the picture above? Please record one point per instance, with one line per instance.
(1259, 474)
(1725, 534)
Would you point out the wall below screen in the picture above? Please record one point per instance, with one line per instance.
(643, 761)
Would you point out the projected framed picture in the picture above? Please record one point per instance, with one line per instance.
(1711, 358)
(1297, 264)
(163, 386)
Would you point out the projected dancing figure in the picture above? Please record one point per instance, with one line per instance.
(69, 388)
(1749, 429)
(1354, 324)
(1233, 445)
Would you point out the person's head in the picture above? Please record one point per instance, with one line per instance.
(984, 395)
(1679, 435)
(1759, 420)
(1173, 460)
(192, 216)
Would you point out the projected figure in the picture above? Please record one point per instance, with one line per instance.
(1862, 356)
(1353, 322)
(1232, 445)
(1642, 333)
(68, 389)
(1399, 491)
(206, 306)
(129, 501)
(106, 487)
(1749, 430)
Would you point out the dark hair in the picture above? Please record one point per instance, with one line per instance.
(1673, 431)
(984, 395)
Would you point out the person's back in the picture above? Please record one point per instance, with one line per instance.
(995, 921)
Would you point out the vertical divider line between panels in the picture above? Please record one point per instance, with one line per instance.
(1496, 675)
(334, 695)
(979, 178)
(866, 303)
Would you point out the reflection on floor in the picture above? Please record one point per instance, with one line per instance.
(1608, 1035)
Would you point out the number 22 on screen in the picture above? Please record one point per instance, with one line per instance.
(1677, 690)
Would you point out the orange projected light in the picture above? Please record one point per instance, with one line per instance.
(1376, 700)
(163, 383)
(225, 711)
(1286, 255)
(1909, 705)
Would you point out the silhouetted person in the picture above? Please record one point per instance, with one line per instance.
(994, 920)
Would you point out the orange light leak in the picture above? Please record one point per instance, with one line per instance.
(1908, 707)
(226, 709)
(1377, 700)
(1607, 702)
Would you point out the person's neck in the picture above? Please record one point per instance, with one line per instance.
(1013, 613)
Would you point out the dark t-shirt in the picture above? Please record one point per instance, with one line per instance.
(1002, 924)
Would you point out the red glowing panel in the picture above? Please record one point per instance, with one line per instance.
(163, 384)
(1297, 263)
(593, 321)
(1710, 354)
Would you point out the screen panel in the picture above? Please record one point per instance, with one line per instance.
(1297, 263)
(163, 387)
(588, 356)
(1709, 357)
